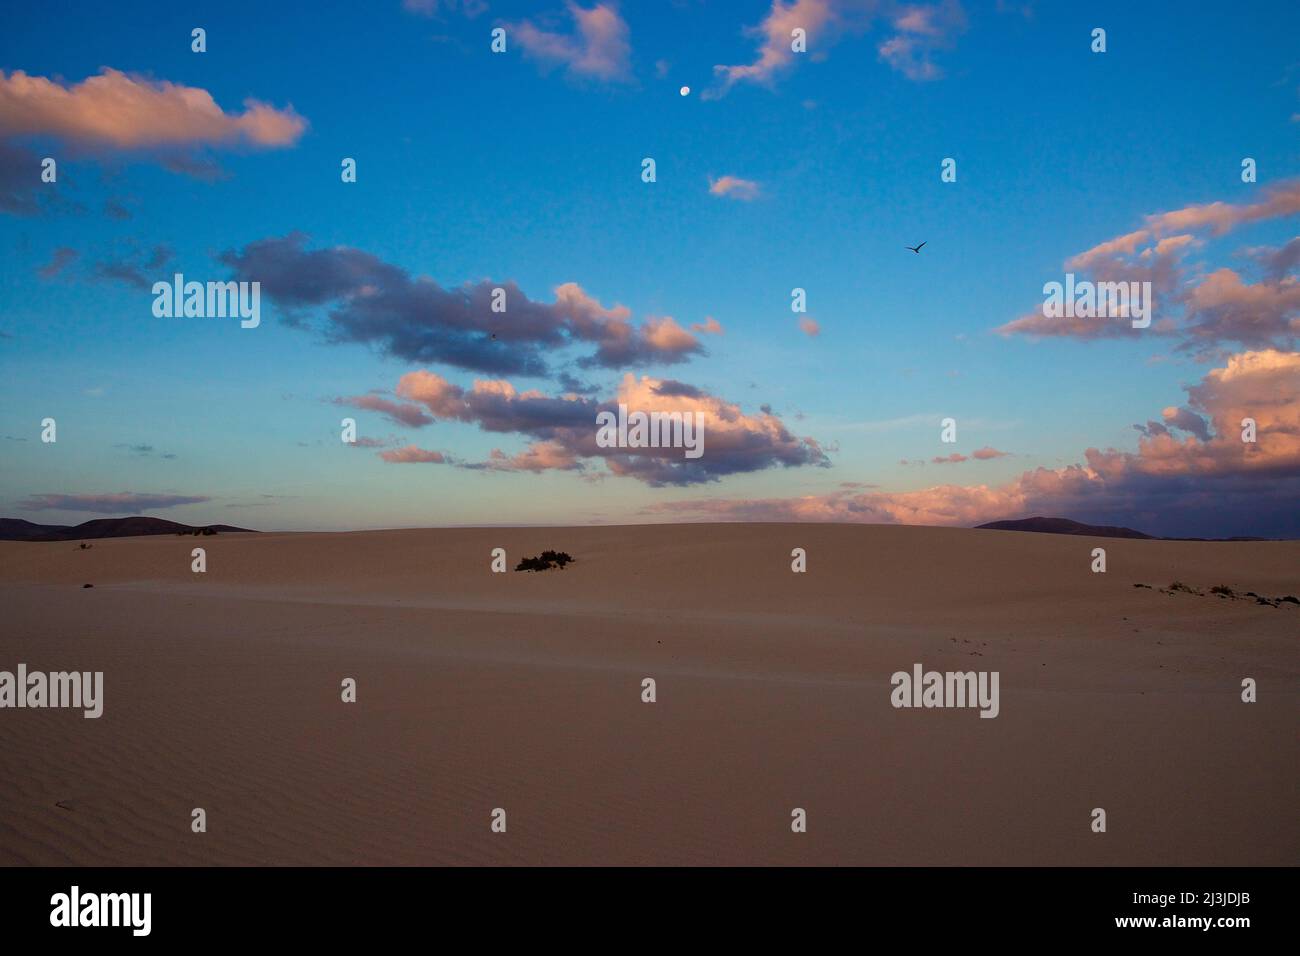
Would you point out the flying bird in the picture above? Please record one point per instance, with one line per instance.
(916, 249)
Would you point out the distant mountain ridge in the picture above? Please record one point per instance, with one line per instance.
(1067, 526)
(1062, 526)
(17, 529)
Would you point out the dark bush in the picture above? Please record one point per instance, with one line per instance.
(545, 561)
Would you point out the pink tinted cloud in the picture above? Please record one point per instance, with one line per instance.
(1126, 244)
(1202, 309)
(916, 32)
(774, 53)
(537, 457)
(663, 334)
(598, 49)
(920, 31)
(1222, 307)
(412, 455)
(563, 429)
(1212, 479)
(399, 412)
(734, 187)
(1116, 260)
(1282, 199)
(411, 317)
(619, 341)
(116, 110)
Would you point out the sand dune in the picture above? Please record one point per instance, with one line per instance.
(523, 691)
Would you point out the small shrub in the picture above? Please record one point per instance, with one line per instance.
(545, 561)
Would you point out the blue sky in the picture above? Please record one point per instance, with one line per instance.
(525, 167)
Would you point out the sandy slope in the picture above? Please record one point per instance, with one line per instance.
(522, 691)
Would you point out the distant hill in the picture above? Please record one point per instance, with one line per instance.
(16, 529)
(1063, 526)
(1066, 526)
